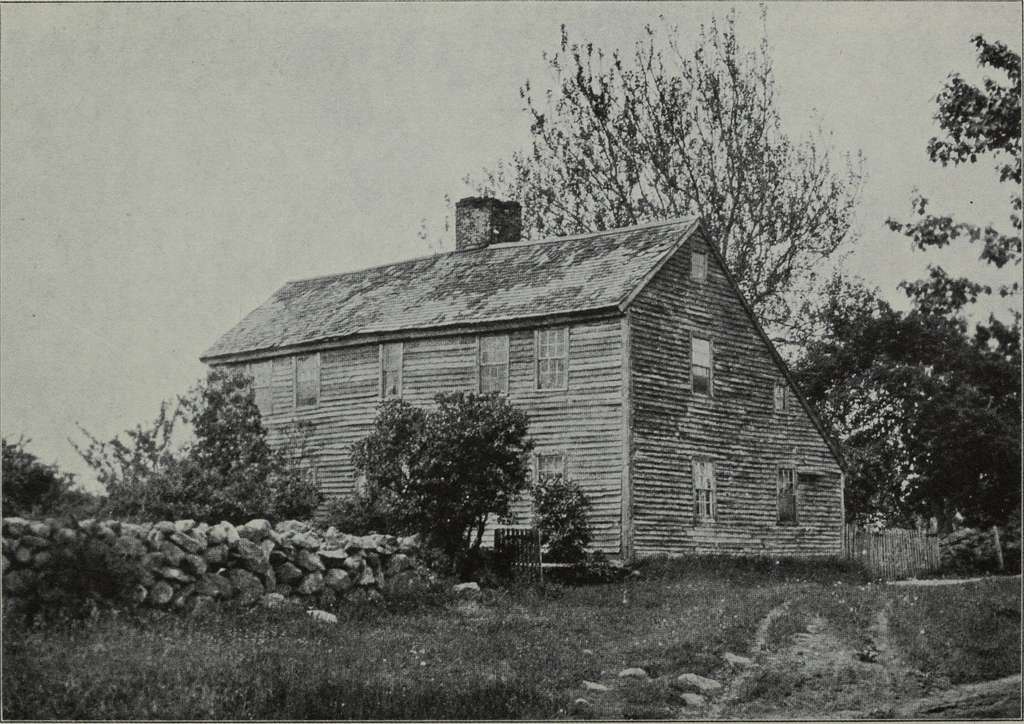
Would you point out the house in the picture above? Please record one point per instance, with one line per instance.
(644, 373)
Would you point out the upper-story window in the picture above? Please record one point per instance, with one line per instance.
(703, 489)
(698, 266)
(307, 380)
(550, 465)
(787, 495)
(700, 365)
(493, 363)
(262, 377)
(391, 369)
(781, 396)
(552, 358)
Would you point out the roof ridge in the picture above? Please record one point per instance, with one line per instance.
(505, 245)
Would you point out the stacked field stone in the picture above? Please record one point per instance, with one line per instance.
(187, 565)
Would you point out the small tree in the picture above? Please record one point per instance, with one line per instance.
(561, 517)
(30, 487)
(450, 468)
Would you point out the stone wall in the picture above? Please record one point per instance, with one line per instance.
(188, 566)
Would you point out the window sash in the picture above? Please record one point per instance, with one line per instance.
(492, 364)
(391, 369)
(262, 377)
(307, 380)
(552, 358)
(787, 495)
(704, 490)
(550, 464)
(698, 266)
(781, 397)
(701, 355)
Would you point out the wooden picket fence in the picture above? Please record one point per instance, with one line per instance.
(892, 553)
(520, 550)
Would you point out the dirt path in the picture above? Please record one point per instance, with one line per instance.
(947, 581)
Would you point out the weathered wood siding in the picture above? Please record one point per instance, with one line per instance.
(583, 421)
(736, 427)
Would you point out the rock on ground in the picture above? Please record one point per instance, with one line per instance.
(594, 686)
(699, 684)
(323, 616)
(633, 673)
(693, 700)
(468, 590)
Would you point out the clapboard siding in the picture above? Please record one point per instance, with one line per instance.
(736, 427)
(583, 421)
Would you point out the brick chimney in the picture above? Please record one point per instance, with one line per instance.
(481, 221)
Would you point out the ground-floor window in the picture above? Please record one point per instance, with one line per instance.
(787, 495)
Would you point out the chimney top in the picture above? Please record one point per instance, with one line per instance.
(481, 221)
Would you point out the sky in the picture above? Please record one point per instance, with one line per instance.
(164, 168)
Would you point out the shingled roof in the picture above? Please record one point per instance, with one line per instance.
(503, 282)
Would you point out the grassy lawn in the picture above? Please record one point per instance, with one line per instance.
(514, 654)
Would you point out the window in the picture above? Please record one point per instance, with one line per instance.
(703, 489)
(493, 363)
(698, 266)
(700, 365)
(550, 465)
(787, 495)
(261, 386)
(781, 396)
(552, 358)
(391, 369)
(307, 380)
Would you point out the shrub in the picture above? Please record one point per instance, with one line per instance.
(448, 469)
(228, 471)
(33, 488)
(561, 516)
(371, 509)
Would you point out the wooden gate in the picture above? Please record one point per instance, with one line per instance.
(892, 553)
(518, 549)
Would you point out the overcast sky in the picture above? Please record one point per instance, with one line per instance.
(164, 168)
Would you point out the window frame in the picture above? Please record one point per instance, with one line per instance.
(381, 370)
(315, 380)
(794, 480)
(269, 387)
(778, 385)
(480, 365)
(711, 365)
(537, 359)
(556, 453)
(694, 253)
(712, 497)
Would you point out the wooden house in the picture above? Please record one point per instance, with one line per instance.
(645, 375)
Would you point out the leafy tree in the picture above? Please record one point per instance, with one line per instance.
(447, 470)
(227, 471)
(561, 517)
(669, 131)
(977, 122)
(30, 487)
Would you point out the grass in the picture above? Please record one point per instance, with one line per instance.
(514, 654)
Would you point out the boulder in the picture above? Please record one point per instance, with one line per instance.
(216, 556)
(410, 543)
(633, 673)
(740, 662)
(272, 600)
(698, 684)
(34, 541)
(130, 546)
(161, 593)
(594, 686)
(196, 565)
(323, 616)
(153, 561)
(138, 594)
(19, 582)
(397, 563)
(41, 559)
(154, 539)
(311, 584)
(291, 526)
(172, 553)
(255, 530)
(247, 586)
(64, 536)
(186, 542)
(164, 526)
(304, 540)
(216, 535)
(268, 546)
(581, 707)
(367, 578)
(288, 573)
(23, 555)
(175, 574)
(284, 589)
(252, 556)
(214, 585)
(181, 597)
(200, 605)
(354, 564)
(332, 557)
(338, 581)
(308, 561)
(470, 590)
(184, 526)
(15, 526)
(693, 701)
(42, 530)
(383, 544)
(231, 536)
(105, 533)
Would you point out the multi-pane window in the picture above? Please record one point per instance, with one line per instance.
(493, 363)
(307, 380)
(261, 373)
(787, 495)
(781, 397)
(698, 266)
(700, 366)
(552, 358)
(391, 369)
(549, 465)
(703, 489)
